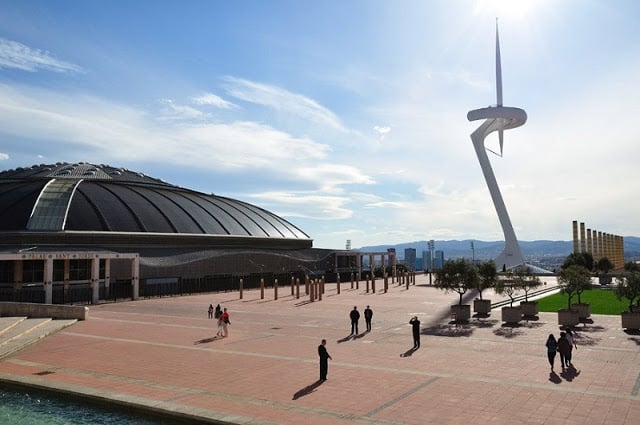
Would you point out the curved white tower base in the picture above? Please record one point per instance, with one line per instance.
(511, 255)
(498, 118)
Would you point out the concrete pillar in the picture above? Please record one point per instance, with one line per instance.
(306, 284)
(575, 237)
(601, 244)
(583, 244)
(311, 294)
(297, 288)
(262, 288)
(293, 282)
(18, 274)
(107, 277)
(135, 277)
(590, 243)
(320, 288)
(95, 280)
(48, 280)
(367, 284)
(386, 283)
(351, 280)
(241, 287)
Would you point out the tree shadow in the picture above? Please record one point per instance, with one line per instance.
(507, 330)
(570, 373)
(484, 323)
(307, 390)
(533, 325)
(553, 377)
(587, 340)
(447, 330)
(409, 352)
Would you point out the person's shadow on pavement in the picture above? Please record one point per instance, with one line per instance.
(409, 352)
(553, 377)
(570, 373)
(307, 390)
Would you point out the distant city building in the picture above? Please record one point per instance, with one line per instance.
(410, 258)
(426, 260)
(438, 260)
(390, 251)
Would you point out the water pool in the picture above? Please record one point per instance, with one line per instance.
(25, 407)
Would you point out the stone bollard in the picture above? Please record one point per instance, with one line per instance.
(358, 282)
(367, 284)
(320, 288)
(386, 283)
(262, 288)
(306, 284)
(311, 294)
(373, 283)
(351, 280)
(292, 284)
(275, 289)
(241, 287)
(297, 288)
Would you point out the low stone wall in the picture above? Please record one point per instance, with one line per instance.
(56, 311)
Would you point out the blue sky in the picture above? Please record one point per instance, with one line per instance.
(348, 118)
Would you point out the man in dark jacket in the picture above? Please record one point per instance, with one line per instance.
(415, 324)
(564, 349)
(324, 360)
(368, 314)
(355, 317)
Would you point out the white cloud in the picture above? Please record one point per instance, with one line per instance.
(305, 205)
(19, 56)
(282, 100)
(173, 111)
(212, 100)
(4, 156)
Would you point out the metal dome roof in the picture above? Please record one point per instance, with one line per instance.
(100, 198)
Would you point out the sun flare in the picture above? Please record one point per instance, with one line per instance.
(506, 8)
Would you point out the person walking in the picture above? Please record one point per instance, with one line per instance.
(355, 317)
(225, 322)
(552, 345)
(415, 324)
(210, 311)
(564, 349)
(572, 345)
(220, 324)
(368, 314)
(324, 359)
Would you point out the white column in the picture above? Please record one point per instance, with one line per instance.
(48, 280)
(135, 273)
(95, 279)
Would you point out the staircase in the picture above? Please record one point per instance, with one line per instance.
(17, 333)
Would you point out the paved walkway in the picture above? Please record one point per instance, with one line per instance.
(162, 354)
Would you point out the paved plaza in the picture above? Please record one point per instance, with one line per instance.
(162, 354)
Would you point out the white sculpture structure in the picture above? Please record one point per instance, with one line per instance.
(498, 118)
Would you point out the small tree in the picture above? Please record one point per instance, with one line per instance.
(456, 276)
(632, 266)
(526, 280)
(487, 276)
(573, 280)
(584, 259)
(628, 287)
(603, 265)
(508, 286)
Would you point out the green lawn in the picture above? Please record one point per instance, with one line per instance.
(603, 301)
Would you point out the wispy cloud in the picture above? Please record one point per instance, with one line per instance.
(212, 100)
(382, 131)
(4, 156)
(19, 56)
(172, 110)
(282, 100)
(305, 205)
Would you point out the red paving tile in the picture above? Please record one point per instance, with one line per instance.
(161, 353)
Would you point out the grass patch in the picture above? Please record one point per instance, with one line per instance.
(602, 301)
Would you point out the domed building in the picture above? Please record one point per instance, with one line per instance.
(96, 232)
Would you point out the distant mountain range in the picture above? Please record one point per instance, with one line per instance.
(531, 250)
